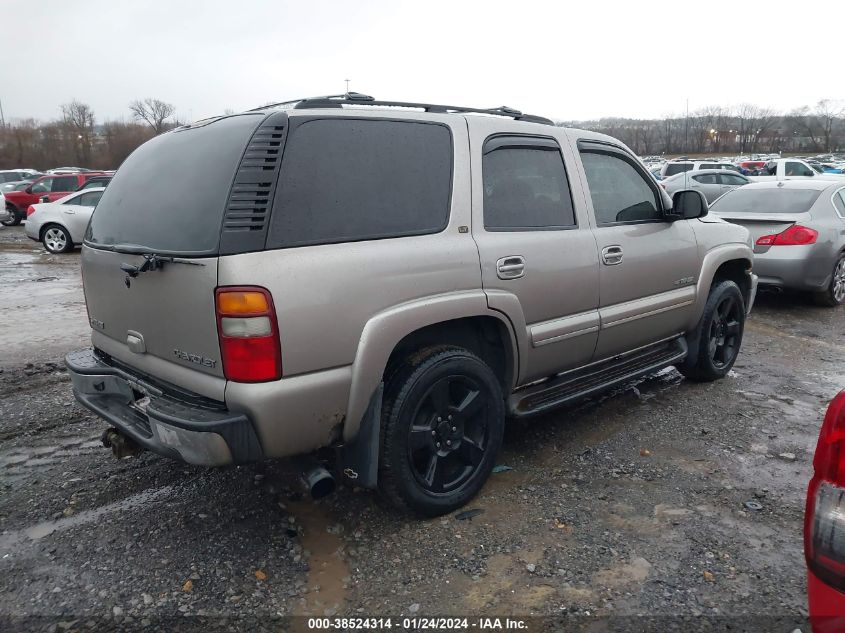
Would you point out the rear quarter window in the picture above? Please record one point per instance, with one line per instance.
(345, 180)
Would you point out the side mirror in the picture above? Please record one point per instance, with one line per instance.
(44, 199)
(28, 189)
(688, 205)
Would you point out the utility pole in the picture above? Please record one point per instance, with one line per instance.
(2, 118)
(347, 85)
(686, 130)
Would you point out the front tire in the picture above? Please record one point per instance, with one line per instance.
(56, 239)
(834, 295)
(442, 425)
(718, 335)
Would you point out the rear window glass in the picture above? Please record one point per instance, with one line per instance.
(169, 195)
(677, 168)
(766, 201)
(347, 180)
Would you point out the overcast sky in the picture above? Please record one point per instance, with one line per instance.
(567, 60)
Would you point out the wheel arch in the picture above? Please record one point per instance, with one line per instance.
(730, 261)
(461, 319)
(49, 224)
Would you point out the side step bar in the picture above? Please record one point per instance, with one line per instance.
(585, 382)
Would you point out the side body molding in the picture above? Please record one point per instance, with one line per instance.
(387, 328)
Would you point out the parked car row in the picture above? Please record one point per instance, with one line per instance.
(19, 195)
(758, 165)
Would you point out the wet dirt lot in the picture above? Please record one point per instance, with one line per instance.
(629, 505)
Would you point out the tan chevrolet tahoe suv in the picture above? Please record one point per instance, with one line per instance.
(391, 281)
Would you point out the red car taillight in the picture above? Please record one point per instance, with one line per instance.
(249, 334)
(795, 235)
(30, 210)
(824, 518)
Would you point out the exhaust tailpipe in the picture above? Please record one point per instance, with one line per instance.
(318, 481)
(121, 445)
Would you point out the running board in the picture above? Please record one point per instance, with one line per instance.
(589, 380)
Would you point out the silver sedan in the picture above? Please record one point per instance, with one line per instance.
(61, 225)
(798, 229)
(711, 182)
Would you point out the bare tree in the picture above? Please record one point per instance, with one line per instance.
(826, 113)
(667, 133)
(78, 119)
(153, 112)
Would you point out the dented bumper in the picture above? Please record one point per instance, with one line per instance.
(161, 418)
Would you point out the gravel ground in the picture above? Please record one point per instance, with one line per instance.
(635, 504)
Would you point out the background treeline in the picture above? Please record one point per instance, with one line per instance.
(744, 129)
(78, 139)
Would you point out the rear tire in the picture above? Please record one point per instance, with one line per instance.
(56, 239)
(834, 295)
(718, 335)
(442, 425)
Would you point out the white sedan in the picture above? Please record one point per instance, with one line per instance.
(61, 225)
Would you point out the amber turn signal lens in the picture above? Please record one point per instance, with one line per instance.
(231, 303)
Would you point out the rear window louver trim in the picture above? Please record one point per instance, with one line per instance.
(248, 207)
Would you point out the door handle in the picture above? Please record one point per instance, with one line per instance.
(69, 211)
(611, 255)
(510, 267)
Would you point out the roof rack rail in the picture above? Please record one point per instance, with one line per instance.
(358, 99)
(352, 96)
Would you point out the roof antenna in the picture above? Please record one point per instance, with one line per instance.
(347, 85)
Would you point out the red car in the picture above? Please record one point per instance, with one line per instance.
(53, 186)
(824, 524)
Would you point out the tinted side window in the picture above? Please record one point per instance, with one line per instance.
(89, 199)
(797, 169)
(345, 180)
(619, 192)
(678, 168)
(526, 188)
(705, 179)
(708, 166)
(64, 183)
(42, 186)
(730, 179)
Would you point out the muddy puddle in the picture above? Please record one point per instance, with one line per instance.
(328, 572)
(40, 289)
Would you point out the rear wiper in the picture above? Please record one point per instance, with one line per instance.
(152, 262)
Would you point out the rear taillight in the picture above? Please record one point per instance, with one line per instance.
(30, 210)
(795, 235)
(249, 334)
(824, 518)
